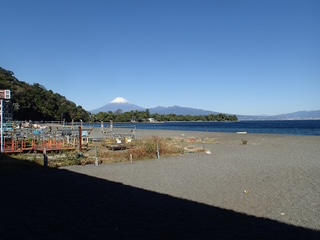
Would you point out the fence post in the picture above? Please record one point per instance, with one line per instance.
(45, 158)
(80, 138)
(34, 147)
(158, 151)
(96, 161)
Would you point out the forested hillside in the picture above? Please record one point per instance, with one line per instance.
(34, 102)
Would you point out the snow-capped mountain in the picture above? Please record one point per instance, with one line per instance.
(116, 104)
(120, 100)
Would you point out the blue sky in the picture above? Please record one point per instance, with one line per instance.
(233, 56)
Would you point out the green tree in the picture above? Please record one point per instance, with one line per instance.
(37, 103)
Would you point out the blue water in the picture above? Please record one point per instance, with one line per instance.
(286, 127)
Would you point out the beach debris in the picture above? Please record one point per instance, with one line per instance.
(282, 214)
(190, 149)
(244, 142)
(208, 152)
(245, 191)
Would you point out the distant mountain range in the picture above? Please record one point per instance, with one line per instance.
(180, 111)
(126, 106)
(301, 115)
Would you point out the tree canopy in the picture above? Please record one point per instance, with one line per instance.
(34, 102)
(144, 116)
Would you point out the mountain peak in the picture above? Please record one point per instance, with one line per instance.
(119, 100)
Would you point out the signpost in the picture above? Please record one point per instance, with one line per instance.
(4, 94)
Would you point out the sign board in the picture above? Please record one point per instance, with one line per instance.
(5, 94)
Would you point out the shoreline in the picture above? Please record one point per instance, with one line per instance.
(171, 133)
(287, 127)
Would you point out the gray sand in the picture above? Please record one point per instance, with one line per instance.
(272, 176)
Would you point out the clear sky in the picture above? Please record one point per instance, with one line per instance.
(232, 56)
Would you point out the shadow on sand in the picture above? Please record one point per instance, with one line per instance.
(38, 203)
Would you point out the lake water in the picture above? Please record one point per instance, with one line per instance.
(286, 127)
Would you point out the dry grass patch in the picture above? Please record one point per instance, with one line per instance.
(146, 148)
(137, 149)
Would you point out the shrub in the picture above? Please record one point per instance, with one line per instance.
(244, 142)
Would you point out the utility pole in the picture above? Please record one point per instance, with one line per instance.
(4, 94)
(1, 105)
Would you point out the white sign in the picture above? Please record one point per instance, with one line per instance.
(5, 94)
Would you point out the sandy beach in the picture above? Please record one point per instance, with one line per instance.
(272, 176)
(268, 188)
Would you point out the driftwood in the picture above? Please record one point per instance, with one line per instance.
(115, 147)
